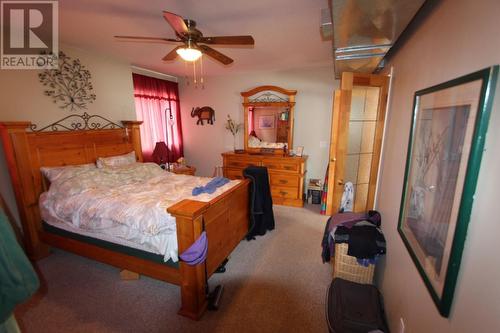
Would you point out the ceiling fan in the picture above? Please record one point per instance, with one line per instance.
(193, 40)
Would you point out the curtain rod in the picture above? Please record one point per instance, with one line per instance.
(140, 70)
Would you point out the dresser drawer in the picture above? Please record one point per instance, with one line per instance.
(284, 192)
(233, 173)
(281, 166)
(242, 162)
(285, 174)
(280, 179)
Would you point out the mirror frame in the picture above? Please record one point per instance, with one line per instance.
(269, 100)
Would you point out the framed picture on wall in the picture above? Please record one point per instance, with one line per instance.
(446, 143)
(266, 122)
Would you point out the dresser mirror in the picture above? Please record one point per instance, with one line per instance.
(268, 119)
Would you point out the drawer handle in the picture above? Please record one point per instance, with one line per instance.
(282, 181)
(283, 193)
(287, 167)
(242, 164)
(238, 177)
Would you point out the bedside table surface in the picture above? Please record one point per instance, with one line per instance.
(185, 170)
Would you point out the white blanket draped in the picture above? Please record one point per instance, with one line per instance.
(128, 201)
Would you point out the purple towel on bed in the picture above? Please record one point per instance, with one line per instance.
(197, 252)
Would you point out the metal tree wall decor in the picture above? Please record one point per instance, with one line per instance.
(69, 85)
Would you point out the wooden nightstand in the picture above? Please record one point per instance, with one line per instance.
(184, 170)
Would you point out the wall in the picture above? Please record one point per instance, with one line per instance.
(458, 37)
(204, 144)
(22, 98)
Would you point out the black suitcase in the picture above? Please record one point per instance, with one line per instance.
(354, 308)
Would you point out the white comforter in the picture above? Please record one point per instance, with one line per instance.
(254, 142)
(129, 200)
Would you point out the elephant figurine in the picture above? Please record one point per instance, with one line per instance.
(204, 113)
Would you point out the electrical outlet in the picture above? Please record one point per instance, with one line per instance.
(401, 325)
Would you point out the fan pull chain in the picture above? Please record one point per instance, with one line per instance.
(185, 71)
(194, 75)
(201, 73)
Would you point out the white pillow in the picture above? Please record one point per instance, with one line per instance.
(253, 141)
(119, 160)
(52, 173)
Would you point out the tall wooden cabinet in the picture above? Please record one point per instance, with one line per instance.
(286, 174)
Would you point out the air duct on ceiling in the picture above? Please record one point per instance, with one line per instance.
(364, 30)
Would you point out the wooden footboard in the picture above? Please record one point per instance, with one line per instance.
(226, 223)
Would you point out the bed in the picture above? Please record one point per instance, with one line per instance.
(225, 216)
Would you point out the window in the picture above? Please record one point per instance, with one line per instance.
(157, 105)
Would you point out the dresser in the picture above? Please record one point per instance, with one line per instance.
(286, 174)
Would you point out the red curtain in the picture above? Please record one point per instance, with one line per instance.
(157, 105)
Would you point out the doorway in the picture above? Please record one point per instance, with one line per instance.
(356, 139)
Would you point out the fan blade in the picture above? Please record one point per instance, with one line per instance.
(152, 39)
(171, 55)
(176, 22)
(215, 54)
(228, 40)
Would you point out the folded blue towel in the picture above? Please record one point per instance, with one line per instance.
(211, 186)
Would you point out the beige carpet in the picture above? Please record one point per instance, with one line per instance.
(276, 283)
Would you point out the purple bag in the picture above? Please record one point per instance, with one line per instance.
(197, 252)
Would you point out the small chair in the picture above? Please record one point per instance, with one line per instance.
(261, 202)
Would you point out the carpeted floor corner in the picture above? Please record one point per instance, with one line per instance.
(276, 283)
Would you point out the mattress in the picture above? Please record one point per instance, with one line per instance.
(111, 235)
(125, 205)
(106, 241)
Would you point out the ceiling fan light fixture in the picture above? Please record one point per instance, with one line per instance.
(188, 53)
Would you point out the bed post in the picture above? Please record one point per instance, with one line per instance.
(17, 155)
(188, 215)
(134, 132)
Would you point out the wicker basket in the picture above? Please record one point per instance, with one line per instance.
(347, 267)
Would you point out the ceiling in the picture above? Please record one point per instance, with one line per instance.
(287, 33)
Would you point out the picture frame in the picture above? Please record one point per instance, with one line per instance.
(266, 121)
(299, 151)
(446, 142)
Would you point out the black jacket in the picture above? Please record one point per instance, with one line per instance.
(261, 203)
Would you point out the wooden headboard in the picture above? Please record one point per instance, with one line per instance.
(27, 151)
